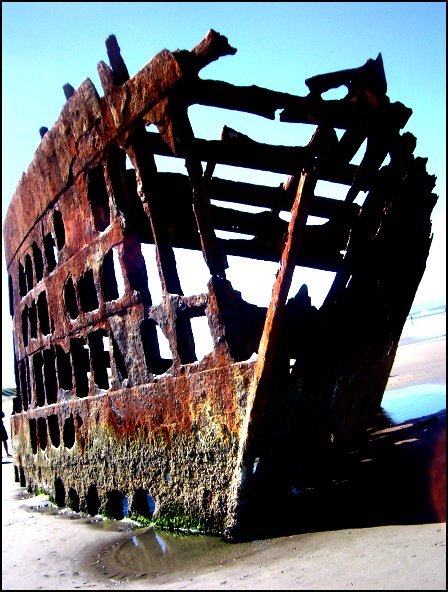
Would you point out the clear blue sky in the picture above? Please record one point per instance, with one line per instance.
(280, 44)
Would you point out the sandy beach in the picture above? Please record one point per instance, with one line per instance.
(382, 524)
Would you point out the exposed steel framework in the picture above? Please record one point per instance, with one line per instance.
(105, 423)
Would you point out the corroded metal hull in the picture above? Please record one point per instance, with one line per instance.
(102, 420)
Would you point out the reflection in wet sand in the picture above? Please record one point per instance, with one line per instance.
(158, 553)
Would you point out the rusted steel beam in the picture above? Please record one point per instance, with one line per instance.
(351, 142)
(150, 194)
(309, 109)
(262, 381)
(276, 159)
(69, 90)
(212, 47)
(175, 128)
(341, 115)
(262, 196)
(294, 239)
(119, 68)
(262, 225)
(213, 254)
(366, 83)
(251, 99)
(269, 340)
(324, 258)
(268, 229)
(379, 141)
(321, 249)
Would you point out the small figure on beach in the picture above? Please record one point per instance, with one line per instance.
(5, 437)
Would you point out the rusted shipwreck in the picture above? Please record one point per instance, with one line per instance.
(102, 421)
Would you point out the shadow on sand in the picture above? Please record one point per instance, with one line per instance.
(396, 476)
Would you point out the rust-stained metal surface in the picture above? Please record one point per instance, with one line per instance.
(104, 422)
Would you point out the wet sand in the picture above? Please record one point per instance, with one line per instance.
(380, 524)
(421, 362)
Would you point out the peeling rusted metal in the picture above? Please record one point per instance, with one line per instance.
(100, 411)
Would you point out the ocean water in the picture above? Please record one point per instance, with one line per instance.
(423, 324)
